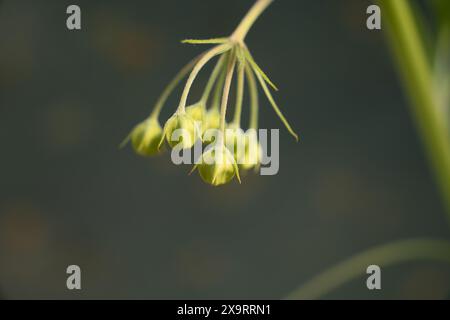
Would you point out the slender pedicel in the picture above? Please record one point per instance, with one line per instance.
(200, 64)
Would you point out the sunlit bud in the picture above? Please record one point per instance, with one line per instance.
(181, 128)
(218, 166)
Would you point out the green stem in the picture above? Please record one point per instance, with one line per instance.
(382, 256)
(253, 88)
(226, 93)
(200, 64)
(219, 87)
(171, 86)
(241, 31)
(239, 94)
(416, 73)
(212, 80)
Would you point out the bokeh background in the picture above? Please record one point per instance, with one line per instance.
(142, 228)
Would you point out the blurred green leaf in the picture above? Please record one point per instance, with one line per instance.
(442, 9)
(441, 71)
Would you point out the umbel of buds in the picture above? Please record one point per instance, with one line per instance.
(220, 162)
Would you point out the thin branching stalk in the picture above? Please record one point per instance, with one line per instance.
(226, 93)
(171, 86)
(212, 80)
(198, 67)
(253, 88)
(219, 87)
(239, 93)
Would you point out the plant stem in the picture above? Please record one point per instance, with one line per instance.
(383, 256)
(417, 77)
(219, 86)
(200, 64)
(212, 80)
(171, 86)
(239, 94)
(226, 92)
(241, 31)
(253, 124)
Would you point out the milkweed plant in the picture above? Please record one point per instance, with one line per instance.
(229, 148)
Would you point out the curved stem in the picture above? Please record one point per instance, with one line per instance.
(253, 88)
(200, 64)
(171, 86)
(416, 73)
(239, 94)
(383, 256)
(212, 80)
(226, 92)
(241, 31)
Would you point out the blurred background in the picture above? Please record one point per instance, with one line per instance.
(142, 228)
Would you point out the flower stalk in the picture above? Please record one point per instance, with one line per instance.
(416, 72)
(171, 86)
(226, 92)
(253, 124)
(198, 67)
(212, 80)
(239, 94)
(241, 31)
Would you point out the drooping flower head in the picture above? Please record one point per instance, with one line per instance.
(232, 147)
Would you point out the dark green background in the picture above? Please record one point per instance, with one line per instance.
(142, 228)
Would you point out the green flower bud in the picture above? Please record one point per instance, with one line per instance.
(212, 122)
(218, 166)
(253, 151)
(212, 119)
(146, 136)
(235, 141)
(196, 111)
(181, 128)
